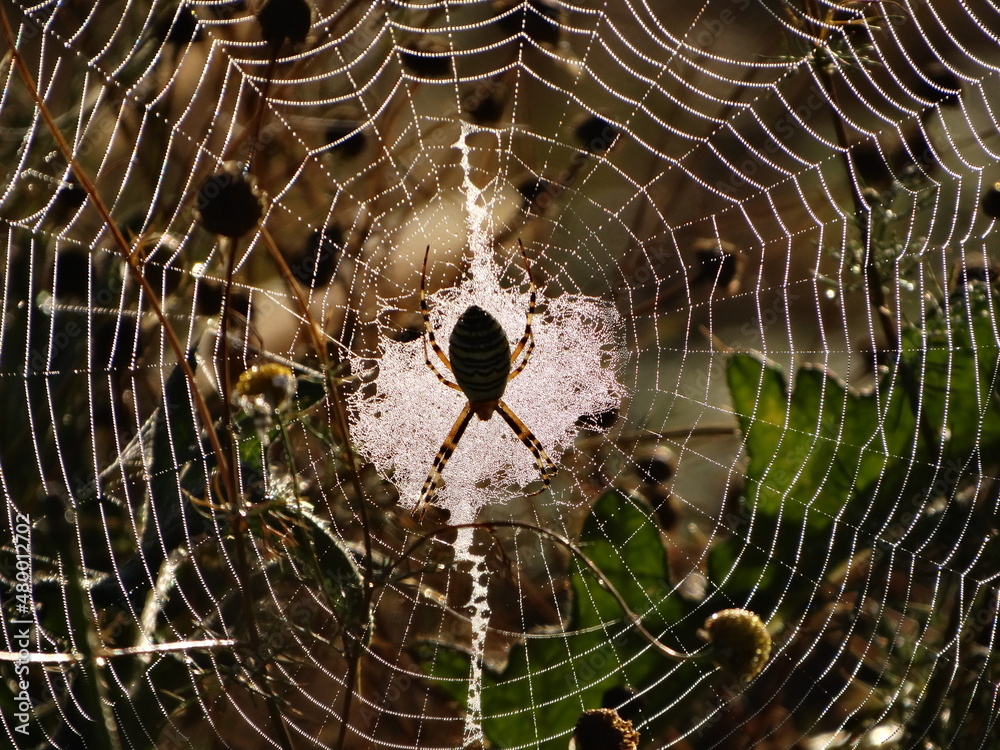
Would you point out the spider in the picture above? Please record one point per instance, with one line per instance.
(483, 364)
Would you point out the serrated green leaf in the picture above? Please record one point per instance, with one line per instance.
(956, 359)
(821, 454)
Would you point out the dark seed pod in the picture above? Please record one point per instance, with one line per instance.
(720, 263)
(872, 197)
(536, 18)
(68, 199)
(942, 86)
(319, 260)
(604, 729)
(485, 108)
(73, 272)
(917, 158)
(208, 297)
(406, 335)
(657, 465)
(658, 499)
(117, 344)
(664, 507)
(229, 202)
(159, 266)
(402, 328)
(532, 188)
(874, 360)
(991, 201)
(600, 421)
(734, 514)
(240, 304)
(346, 137)
(285, 19)
(625, 701)
(870, 166)
(429, 63)
(975, 268)
(52, 510)
(596, 134)
(178, 28)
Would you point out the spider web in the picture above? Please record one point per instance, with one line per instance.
(765, 366)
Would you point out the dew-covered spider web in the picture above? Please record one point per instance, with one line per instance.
(763, 364)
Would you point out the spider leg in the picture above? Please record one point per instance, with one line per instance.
(527, 342)
(429, 330)
(545, 466)
(524, 362)
(447, 448)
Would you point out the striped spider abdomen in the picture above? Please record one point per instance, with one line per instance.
(480, 359)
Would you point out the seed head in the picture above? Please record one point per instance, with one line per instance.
(740, 642)
(229, 201)
(604, 729)
(265, 390)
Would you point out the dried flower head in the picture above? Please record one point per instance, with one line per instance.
(604, 729)
(229, 202)
(740, 642)
(285, 19)
(265, 390)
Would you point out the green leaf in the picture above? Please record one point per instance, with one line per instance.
(955, 358)
(550, 680)
(811, 449)
(821, 454)
(330, 560)
(174, 439)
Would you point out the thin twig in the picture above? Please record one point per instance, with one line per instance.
(873, 277)
(602, 580)
(121, 243)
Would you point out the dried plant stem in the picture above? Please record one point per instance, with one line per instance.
(226, 469)
(353, 648)
(92, 685)
(121, 243)
(634, 619)
(343, 430)
(228, 245)
(873, 277)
